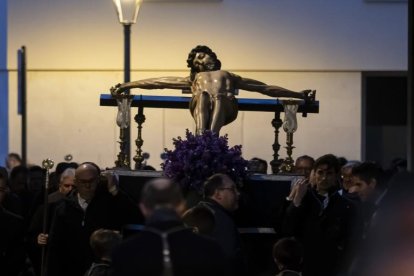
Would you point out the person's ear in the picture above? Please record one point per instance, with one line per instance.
(278, 264)
(145, 211)
(181, 208)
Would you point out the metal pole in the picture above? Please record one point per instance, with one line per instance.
(127, 78)
(22, 101)
(47, 164)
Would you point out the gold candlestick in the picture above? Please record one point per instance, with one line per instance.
(139, 119)
(276, 162)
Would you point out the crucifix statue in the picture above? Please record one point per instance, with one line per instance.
(213, 104)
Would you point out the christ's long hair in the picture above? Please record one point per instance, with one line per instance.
(201, 49)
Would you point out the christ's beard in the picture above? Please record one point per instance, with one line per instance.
(204, 67)
(209, 67)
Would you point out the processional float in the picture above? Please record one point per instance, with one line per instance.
(213, 103)
(276, 106)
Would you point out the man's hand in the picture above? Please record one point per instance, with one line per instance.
(309, 95)
(42, 239)
(112, 181)
(299, 191)
(353, 189)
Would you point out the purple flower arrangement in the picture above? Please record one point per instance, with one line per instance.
(197, 157)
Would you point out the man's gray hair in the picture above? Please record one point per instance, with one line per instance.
(67, 173)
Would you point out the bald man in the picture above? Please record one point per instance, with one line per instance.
(185, 252)
(90, 207)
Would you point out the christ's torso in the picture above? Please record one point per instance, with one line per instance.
(216, 83)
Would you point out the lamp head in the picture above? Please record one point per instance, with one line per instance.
(127, 10)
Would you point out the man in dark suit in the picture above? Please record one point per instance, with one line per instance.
(76, 217)
(221, 196)
(322, 220)
(165, 246)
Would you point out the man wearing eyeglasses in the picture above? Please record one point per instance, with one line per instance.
(90, 207)
(221, 196)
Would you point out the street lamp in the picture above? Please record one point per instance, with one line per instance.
(127, 11)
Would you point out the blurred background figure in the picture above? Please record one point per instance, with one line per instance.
(36, 179)
(257, 165)
(19, 186)
(102, 242)
(13, 160)
(303, 165)
(66, 185)
(12, 254)
(346, 180)
(397, 165)
(389, 247)
(165, 246)
(288, 256)
(54, 177)
(346, 174)
(368, 182)
(19, 179)
(342, 161)
(201, 219)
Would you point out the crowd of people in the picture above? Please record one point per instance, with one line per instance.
(336, 220)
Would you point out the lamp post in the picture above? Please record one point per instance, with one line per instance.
(127, 11)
